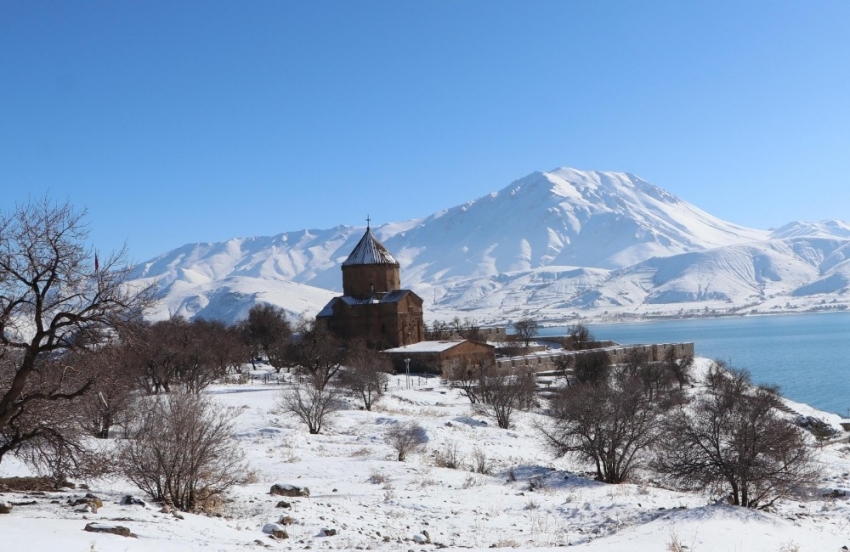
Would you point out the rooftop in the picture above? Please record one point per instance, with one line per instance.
(369, 251)
(425, 347)
(391, 297)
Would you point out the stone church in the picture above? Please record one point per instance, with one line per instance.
(373, 306)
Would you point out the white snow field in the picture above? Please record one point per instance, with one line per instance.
(376, 503)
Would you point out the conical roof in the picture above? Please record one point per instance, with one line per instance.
(369, 251)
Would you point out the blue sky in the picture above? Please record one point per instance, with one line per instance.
(177, 122)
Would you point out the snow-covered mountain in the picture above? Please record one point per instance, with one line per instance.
(556, 245)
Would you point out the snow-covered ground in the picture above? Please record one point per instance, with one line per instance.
(377, 503)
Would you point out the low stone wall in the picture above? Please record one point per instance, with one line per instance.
(547, 361)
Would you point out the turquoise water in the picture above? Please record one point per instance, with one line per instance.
(807, 355)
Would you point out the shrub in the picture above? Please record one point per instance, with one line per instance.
(480, 463)
(183, 451)
(311, 404)
(405, 438)
(450, 457)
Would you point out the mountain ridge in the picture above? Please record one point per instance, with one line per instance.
(570, 243)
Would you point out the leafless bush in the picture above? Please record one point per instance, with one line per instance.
(480, 463)
(675, 543)
(472, 481)
(378, 478)
(311, 404)
(362, 451)
(450, 457)
(536, 483)
(183, 451)
(405, 439)
(425, 480)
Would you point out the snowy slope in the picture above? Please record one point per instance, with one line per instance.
(557, 245)
(377, 503)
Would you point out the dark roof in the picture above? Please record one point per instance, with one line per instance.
(369, 251)
(391, 297)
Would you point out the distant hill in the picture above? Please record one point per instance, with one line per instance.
(554, 245)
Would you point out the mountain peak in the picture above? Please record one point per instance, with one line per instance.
(829, 229)
(566, 228)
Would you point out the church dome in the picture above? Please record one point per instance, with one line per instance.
(369, 251)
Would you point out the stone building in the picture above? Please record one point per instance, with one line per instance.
(436, 356)
(373, 306)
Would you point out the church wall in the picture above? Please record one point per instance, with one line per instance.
(363, 280)
(396, 324)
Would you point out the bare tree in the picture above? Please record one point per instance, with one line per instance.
(471, 330)
(366, 375)
(55, 297)
(579, 337)
(57, 444)
(203, 357)
(564, 366)
(268, 331)
(440, 330)
(110, 401)
(680, 368)
(612, 425)
(658, 377)
(405, 439)
(318, 352)
(467, 378)
(229, 349)
(526, 329)
(183, 451)
(732, 440)
(592, 367)
(195, 363)
(503, 393)
(311, 403)
(153, 350)
(176, 354)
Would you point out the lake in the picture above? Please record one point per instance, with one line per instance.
(805, 354)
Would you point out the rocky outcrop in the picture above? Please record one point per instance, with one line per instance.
(111, 529)
(132, 501)
(285, 489)
(276, 530)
